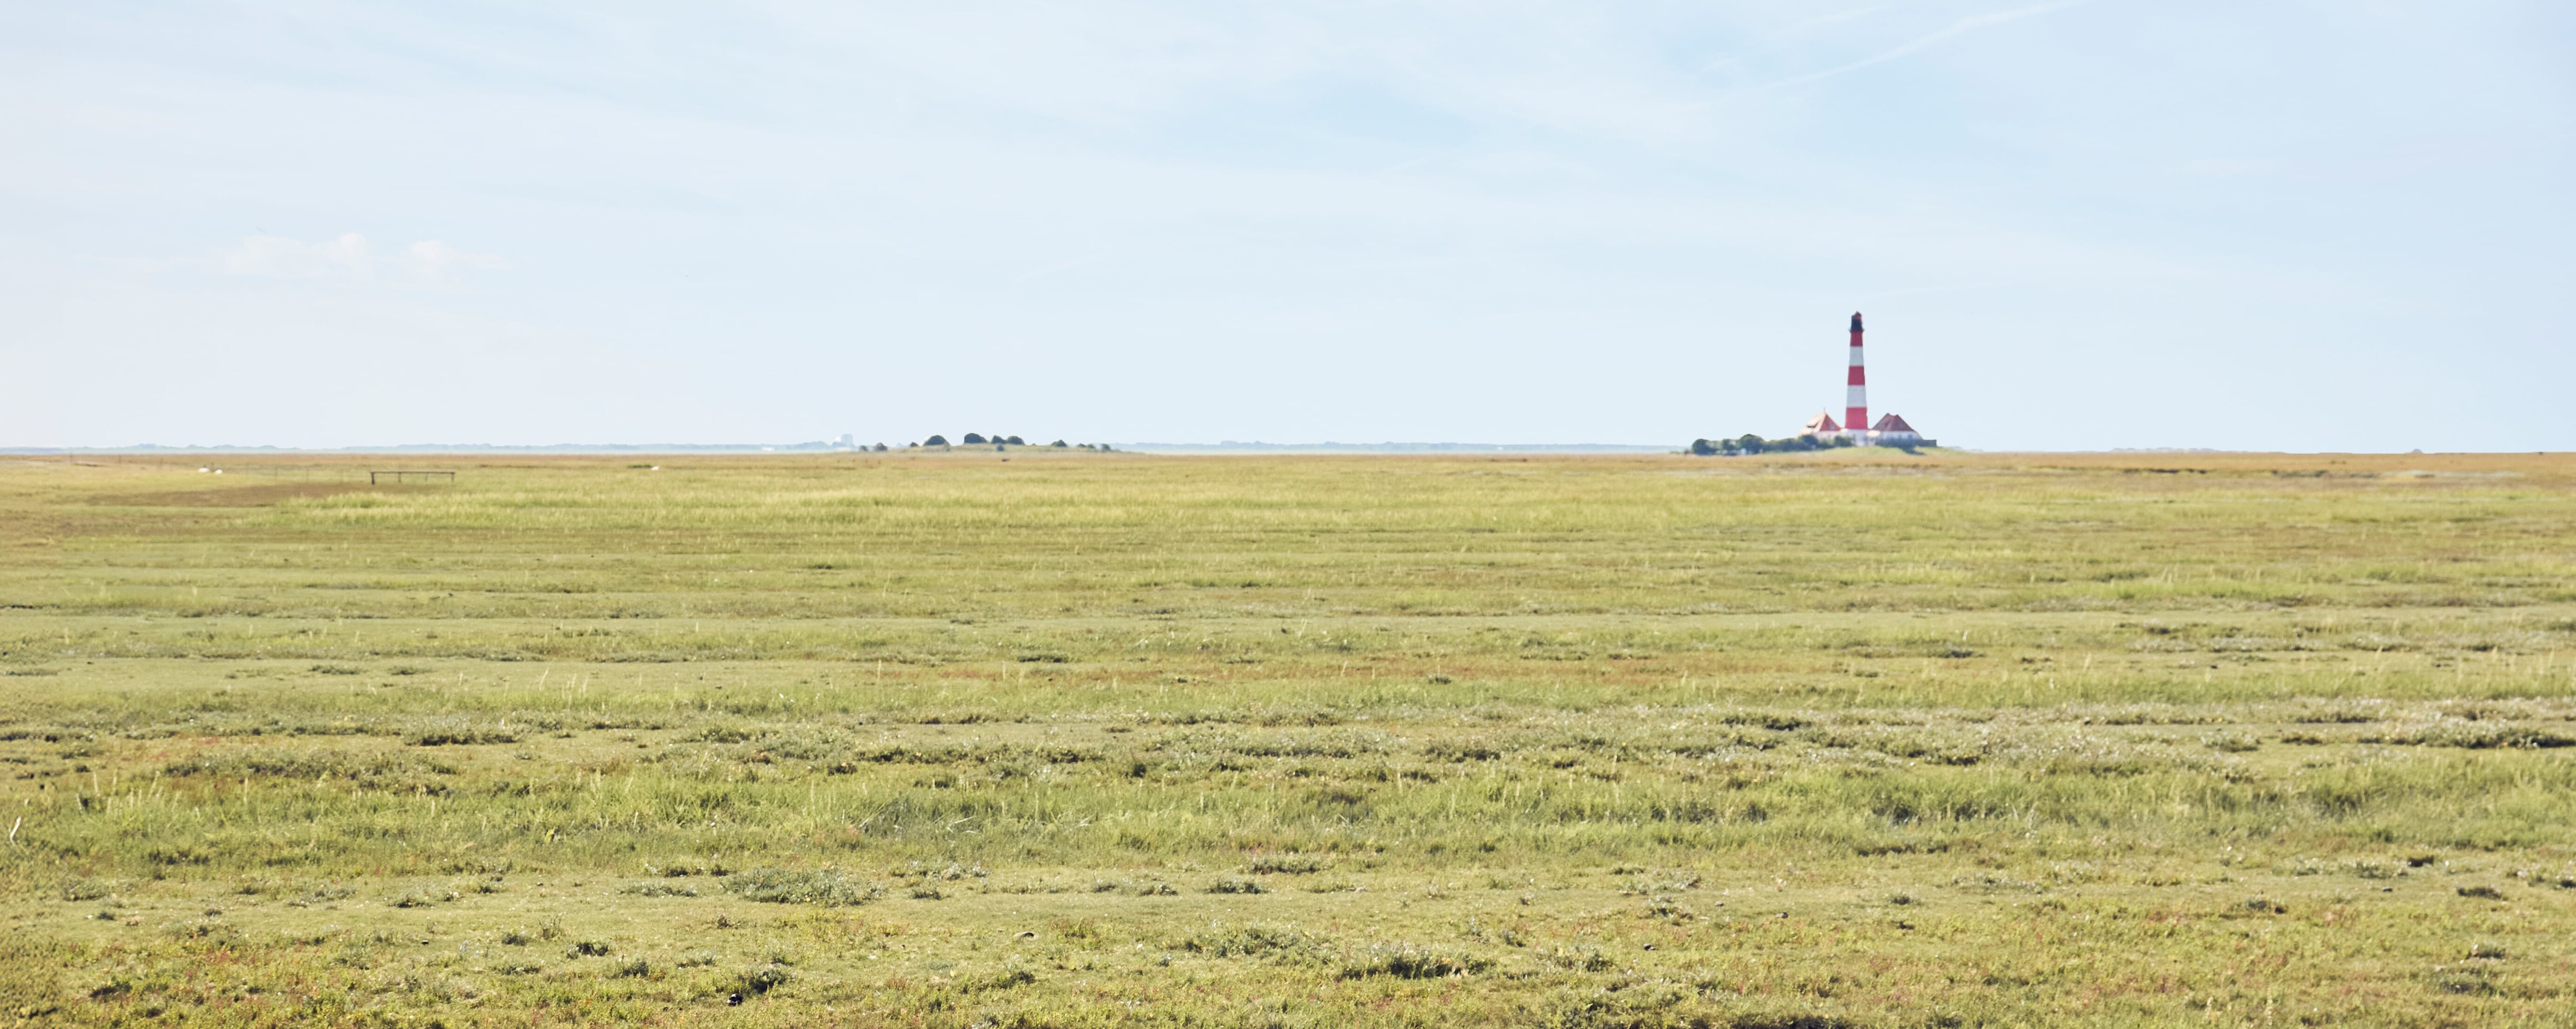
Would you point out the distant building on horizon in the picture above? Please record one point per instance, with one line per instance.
(1889, 431)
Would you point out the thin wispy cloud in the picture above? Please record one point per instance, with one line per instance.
(1836, 18)
(351, 257)
(281, 257)
(1932, 39)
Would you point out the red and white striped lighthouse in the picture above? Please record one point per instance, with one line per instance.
(1856, 397)
(1856, 428)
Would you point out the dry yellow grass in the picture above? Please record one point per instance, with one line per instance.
(1078, 739)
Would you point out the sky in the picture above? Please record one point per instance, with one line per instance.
(2299, 225)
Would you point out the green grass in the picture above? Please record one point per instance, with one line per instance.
(1861, 739)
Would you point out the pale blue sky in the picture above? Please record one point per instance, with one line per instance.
(2300, 225)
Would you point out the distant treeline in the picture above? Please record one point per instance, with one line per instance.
(977, 439)
(1752, 444)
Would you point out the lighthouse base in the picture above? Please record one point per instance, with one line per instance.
(1878, 438)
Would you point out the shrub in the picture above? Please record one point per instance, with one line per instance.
(1235, 885)
(1289, 864)
(973, 438)
(1412, 961)
(827, 887)
(2232, 742)
(459, 733)
(1016, 441)
(1003, 979)
(77, 889)
(421, 898)
(203, 929)
(935, 441)
(321, 895)
(1278, 941)
(763, 980)
(2470, 980)
(1579, 959)
(1459, 750)
(1672, 880)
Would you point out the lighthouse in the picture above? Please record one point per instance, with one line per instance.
(1889, 431)
(1856, 395)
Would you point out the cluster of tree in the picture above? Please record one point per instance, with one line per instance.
(977, 439)
(1752, 444)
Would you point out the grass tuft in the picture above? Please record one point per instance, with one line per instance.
(826, 887)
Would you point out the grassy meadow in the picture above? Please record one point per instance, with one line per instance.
(1078, 739)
